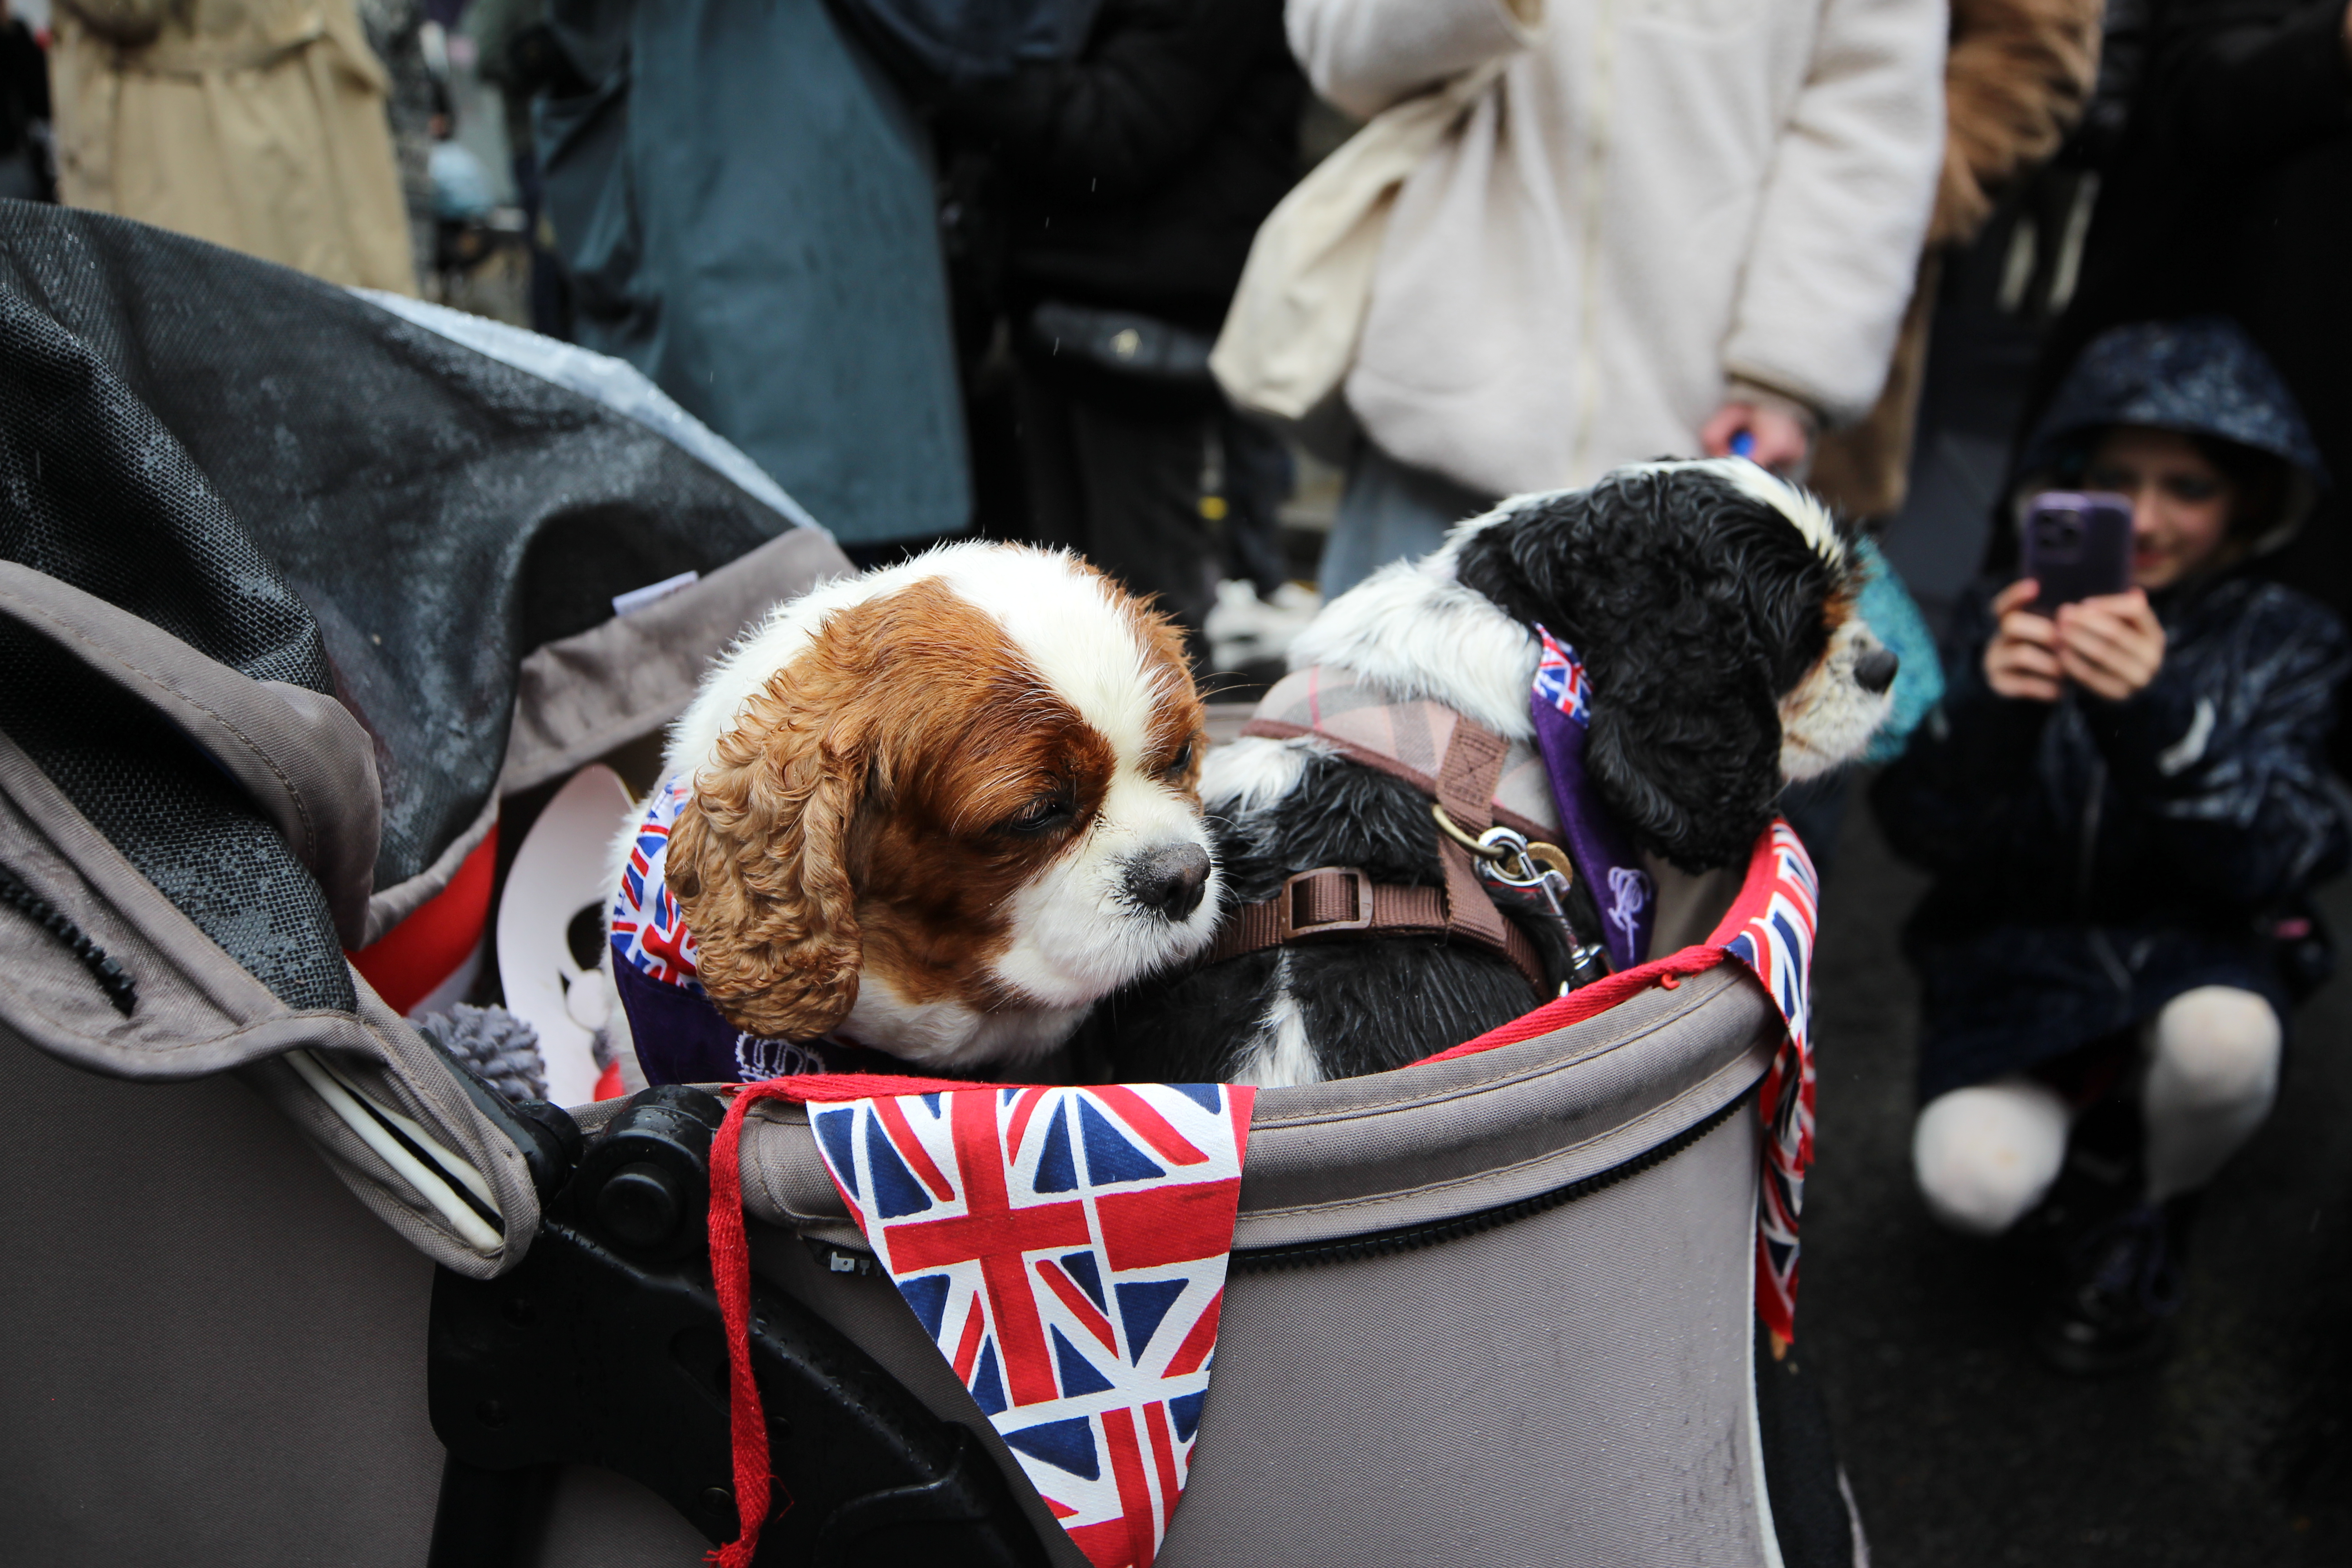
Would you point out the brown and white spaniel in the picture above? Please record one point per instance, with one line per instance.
(937, 811)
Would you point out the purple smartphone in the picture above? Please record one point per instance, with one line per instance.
(2077, 546)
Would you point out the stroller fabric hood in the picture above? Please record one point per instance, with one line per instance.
(314, 491)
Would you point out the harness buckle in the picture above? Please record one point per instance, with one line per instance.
(1309, 907)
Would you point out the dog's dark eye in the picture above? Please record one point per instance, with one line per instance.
(1178, 763)
(1042, 815)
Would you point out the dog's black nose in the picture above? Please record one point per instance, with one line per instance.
(1169, 879)
(1874, 671)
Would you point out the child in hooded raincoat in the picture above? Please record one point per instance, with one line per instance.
(2122, 805)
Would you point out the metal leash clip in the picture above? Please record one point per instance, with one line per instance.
(1506, 859)
(1513, 862)
(1509, 859)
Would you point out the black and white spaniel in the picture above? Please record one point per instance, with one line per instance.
(1712, 606)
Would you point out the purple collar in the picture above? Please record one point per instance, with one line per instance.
(1562, 703)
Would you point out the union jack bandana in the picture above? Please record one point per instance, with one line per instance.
(1561, 707)
(1774, 925)
(1066, 1249)
(649, 928)
(1560, 681)
(680, 1034)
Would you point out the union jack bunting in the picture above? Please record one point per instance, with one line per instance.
(1065, 1249)
(1773, 925)
(1561, 679)
(648, 928)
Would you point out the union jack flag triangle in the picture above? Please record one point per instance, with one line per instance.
(1772, 929)
(1065, 1249)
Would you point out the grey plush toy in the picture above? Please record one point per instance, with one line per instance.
(501, 1049)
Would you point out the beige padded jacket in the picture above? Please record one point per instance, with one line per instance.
(1661, 198)
(257, 124)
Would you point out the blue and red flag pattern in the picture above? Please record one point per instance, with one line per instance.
(1560, 678)
(678, 1033)
(1770, 929)
(648, 928)
(1065, 1249)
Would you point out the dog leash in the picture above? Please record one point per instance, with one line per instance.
(1344, 902)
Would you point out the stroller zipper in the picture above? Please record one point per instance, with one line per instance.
(1434, 1232)
(117, 987)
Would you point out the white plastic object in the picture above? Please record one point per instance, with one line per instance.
(563, 867)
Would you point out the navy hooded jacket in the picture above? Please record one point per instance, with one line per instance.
(2096, 859)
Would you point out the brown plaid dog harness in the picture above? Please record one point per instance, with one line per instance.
(1479, 780)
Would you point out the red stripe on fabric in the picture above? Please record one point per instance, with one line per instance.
(903, 1139)
(1104, 1543)
(410, 960)
(1061, 1510)
(1594, 999)
(1024, 1106)
(1075, 1301)
(998, 1235)
(832, 1088)
(968, 1347)
(1755, 897)
(731, 1272)
(1754, 900)
(1168, 1225)
(920, 1245)
(1755, 889)
(1149, 1125)
(1163, 1458)
(1200, 1342)
(1240, 1100)
(1134, 1487)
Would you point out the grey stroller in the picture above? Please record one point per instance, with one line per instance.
(297, 597)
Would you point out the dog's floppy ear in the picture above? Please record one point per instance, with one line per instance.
(1640, 575)
(756, 861)
(1685, 740)
(1686, 752)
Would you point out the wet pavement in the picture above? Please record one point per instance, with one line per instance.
(1962, 1450)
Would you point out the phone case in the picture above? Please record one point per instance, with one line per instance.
(2077, 546)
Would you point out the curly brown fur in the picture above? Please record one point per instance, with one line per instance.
(939, 809)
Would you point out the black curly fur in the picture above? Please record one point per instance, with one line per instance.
(1695, 608)
(1370, 1003)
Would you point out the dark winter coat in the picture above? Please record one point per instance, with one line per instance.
(1135, 175)
(23, 86)
(2094, 859)
(747, 212)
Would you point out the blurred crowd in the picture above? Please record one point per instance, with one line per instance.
(941, 267)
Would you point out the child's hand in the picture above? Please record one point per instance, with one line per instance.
(2112, 646)
(2021, 661)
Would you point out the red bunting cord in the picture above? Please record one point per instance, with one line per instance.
(731, 1255)
(1597, 997)
(731, 1272)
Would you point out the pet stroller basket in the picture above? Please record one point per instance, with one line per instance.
(292, 591)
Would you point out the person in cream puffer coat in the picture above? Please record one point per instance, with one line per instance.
(1672, 221)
